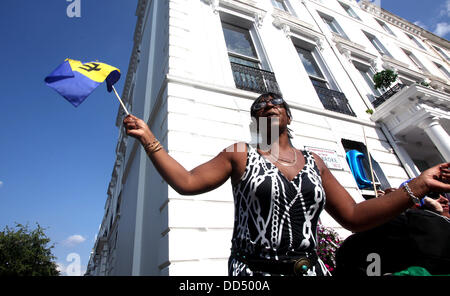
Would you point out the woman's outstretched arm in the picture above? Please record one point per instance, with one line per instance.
(374, 212)
(203, 178)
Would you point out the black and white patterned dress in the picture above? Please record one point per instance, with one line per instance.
(276, 218)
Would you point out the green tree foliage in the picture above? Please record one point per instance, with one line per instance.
(24, 252)
(384, 79)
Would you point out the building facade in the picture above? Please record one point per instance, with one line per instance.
(196, 68)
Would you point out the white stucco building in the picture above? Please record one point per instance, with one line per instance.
(195, 69)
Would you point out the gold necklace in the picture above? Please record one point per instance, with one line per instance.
(286, 162)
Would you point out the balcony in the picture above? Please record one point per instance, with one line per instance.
(254, 79)
(388, 94)
(334, 100)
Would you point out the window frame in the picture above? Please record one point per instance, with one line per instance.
(379, 176)
(327, 78)
(246, 24)
(415, 60)
(385, 27)
(333, 25)
(349, 10)
(245, 76)
(442, 52)
(282, 3)
(416, 42)
(368, 78)
(257, 59)
(376, 43)
(443, 69)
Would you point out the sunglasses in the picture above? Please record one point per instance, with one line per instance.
(260, 105)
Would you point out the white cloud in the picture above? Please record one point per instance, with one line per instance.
(445, 9)
(1, 184)
(442, 29)
(74, 240)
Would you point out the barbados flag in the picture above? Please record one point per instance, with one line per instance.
(75, 80)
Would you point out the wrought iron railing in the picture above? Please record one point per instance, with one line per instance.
(254, 79)
(334, 100)
(388, 94)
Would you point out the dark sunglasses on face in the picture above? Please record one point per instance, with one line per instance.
(260, 105)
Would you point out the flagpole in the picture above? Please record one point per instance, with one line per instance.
(370, 163)
(120, 100)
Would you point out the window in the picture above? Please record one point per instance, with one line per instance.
(380, 178)
(240, 46)
(311, 67)
(442, 52)
(443, 69)
(349, 11)
(367, 75)
(326, 88)
(415, 41)
(377, 44)
(386, 27)
(333, 26)
(415, 60)
(248, 66)
(280, 5)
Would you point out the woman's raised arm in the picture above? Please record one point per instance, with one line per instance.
(376, 211)
(203, 178)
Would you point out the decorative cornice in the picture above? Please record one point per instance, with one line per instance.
(352, 50)
(390, 17)
(291, 25)
(402, 23)
(247, 7)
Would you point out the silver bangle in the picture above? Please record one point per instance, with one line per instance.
(413, 198)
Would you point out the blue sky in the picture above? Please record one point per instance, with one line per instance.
(432, 15)
(56, 160)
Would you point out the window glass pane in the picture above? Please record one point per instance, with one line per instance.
(243, 61)
(334, 27)
(238, 40)
(279, 4)
(378, 45)
(349, 11)
(367, 77)
(442, 52)
(309, 63)
(415, 60)
(415, 41)
(317, 82)
(331, 26)
(443, 69)
(386, 27)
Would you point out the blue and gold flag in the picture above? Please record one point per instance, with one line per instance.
(75, 80)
